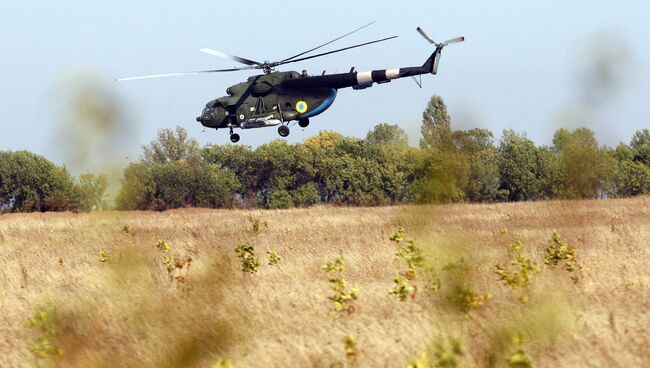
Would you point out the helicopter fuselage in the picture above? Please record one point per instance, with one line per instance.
(267, 100)
(279, 97)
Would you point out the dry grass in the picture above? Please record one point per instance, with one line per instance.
(127, 312)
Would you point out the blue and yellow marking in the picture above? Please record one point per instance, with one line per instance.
(301, 106)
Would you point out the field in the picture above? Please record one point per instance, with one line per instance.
(119, 288)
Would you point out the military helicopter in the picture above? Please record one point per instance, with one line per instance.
(278, 98)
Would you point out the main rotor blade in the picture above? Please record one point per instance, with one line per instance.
(238, 59)
(183, 73)
(339, 50)
(453, 41)
(327, 43)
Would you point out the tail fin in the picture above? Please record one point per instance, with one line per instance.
(432, 62)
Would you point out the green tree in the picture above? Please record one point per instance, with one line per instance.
(240, 160)
(387, 134)
(526, 171)
(138, 188)
(170, 146)
(628, 175)
(476, 147)
(92, 192)
(582, 164)
(436, 126)
(29, 182)
(640, 145)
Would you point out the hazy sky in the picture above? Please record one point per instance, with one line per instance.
(529, 66)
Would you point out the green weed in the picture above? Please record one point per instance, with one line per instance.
(343, 297)
(402, 289)
(517, 357)
(272, 257)
(45, 329)
(350, 344)
(520, 272)
(413, 258)
(255, 225)
(460, 293)
(246, 254)
(128, 230)
(104, 256)
(447, 355)
(559, 252)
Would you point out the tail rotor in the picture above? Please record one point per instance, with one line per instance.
(439, 47)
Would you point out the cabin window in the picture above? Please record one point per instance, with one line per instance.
(288, 105)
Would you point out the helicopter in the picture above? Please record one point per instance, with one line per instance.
(278, 98)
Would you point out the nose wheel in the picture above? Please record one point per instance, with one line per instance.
(283, 130)
(303, 123)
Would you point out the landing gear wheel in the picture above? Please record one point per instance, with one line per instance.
(303, 123)
(283, 130)
(234, 138)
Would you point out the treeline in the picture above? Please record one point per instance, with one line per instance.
(31, 183)
(382, 169)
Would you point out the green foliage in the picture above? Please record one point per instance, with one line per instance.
(246, 254)
(436, 126)
(445, 355)
(387, 134)
(629, 174)
(414, 259)
(223, 364)
(170, 146)
(640, 145)
(272, 257)
(460, 294)
(92, 192)
(128, 230)
(520, 272)
(402, 289)
(526, 171)
(350, 345)
(583, 166)
(104, 255)
(175, 185)
(458, 165)
(517, 357)
(255, 225)
(407, 252)
(30, 182)
(167, 258)
(406, 282)
(343, 297)
(559, 252)
(42, 323)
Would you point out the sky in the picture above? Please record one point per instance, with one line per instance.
(528, 66)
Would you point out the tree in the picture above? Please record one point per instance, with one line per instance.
(476, 147)
(628, 176)
(170, 146)
(387, 134)
(138, 189)
(436, 126)
(583, 165)
(241, 161)
(526, 171)
(29, 182)
(640, 145)
(92, 192)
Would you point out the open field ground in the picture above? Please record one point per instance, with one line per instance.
(110, 293)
